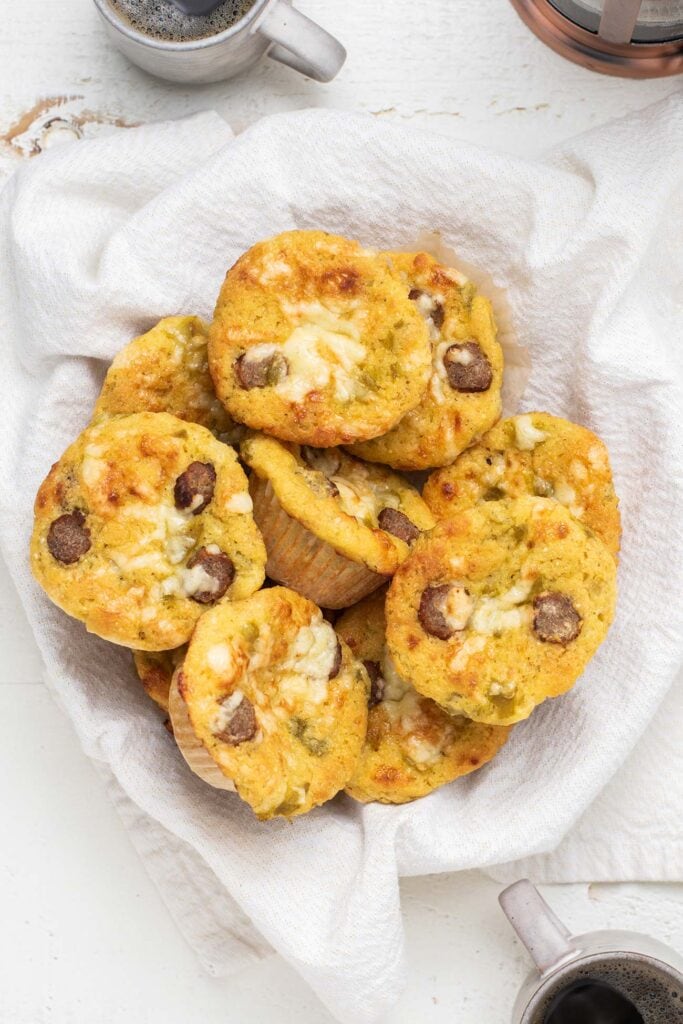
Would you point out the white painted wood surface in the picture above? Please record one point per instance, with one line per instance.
(84, 934)
(465, 67)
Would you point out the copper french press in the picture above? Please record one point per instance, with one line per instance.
(632, 38)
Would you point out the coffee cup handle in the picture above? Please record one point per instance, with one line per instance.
(545, 937)
(300, 43)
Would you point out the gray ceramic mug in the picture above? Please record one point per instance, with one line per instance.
(271, 27)
(636, 962)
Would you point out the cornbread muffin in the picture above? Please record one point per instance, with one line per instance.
(143, 523)
(167, 370)
(315, 340)
(500, 607)
(335, 527)
(155, 670)
(463, 398)
(412, 746)
(534, 454)
(278, 702)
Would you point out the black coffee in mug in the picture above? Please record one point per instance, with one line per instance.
(617, 988)
(161, 19)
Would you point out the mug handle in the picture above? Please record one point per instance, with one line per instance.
(300, 43)
(545, 937)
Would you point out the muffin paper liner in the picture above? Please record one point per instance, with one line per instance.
(300, 560)
(193, 750)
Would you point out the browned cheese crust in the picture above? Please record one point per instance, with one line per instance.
(315, 340)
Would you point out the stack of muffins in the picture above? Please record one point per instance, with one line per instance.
(318, 624)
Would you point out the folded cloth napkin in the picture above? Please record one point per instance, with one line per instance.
(100, 239)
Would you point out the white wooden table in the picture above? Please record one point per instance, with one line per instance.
(84, 935)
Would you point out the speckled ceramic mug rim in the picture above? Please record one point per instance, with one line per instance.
(582, 959)
(248, 20)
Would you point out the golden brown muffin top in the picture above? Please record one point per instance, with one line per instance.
(412, 745)
(499, 607)
(534, 453)
(277, 701)
(463, 397)
(366, 512)
(315, 340)
(143, 522)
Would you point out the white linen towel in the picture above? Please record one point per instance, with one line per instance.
(100, 239)
(632, 831)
